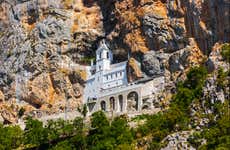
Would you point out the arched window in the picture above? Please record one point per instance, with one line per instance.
(112, 103)
(103, 105)
(132, 100)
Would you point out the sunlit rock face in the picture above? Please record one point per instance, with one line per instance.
(159, 37)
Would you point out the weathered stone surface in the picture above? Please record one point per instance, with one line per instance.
(178, 60)
(133, 70)
(186, 57)
(151, 64)
(162, 36)
(8, 114)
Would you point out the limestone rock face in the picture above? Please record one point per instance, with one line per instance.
(207, 21)
(162, 36)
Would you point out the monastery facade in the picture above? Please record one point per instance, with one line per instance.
(107, 87)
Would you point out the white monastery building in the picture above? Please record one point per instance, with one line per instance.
(107, 87)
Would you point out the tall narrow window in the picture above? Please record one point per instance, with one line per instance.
(107, 55)
(100, 55)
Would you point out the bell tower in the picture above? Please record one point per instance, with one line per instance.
(104, 57)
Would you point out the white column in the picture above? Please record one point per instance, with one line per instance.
(117, 106)
(125, 102)
(139, 101)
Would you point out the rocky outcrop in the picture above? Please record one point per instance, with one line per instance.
(185, 58)
(178, 141)
(215, 90)
(8, 113)
(215, 59)
(133, 70)
(151, 64)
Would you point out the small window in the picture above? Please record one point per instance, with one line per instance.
(99, 67)
(107, 77)
(116, 74)
(121, 73)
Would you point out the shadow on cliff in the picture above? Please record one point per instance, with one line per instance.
(107, 9)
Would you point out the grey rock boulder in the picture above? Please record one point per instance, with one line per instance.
(178, 60)
(151, 64)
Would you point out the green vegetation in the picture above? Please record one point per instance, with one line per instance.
(217, 133)
(87, 60)
(222, 81)
(177, 116)
(102, 134)
(225, 52)
(10, 137)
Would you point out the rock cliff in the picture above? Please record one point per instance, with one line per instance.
(41, 39)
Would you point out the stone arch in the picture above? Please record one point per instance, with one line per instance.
(120, 102)
(103, 105)
(132, 101)
(112, 103)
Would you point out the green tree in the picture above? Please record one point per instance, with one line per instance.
(195, 80)
(121, 131)
(225, 51)
(222, 78)
(34, 133)
(99, 134)
(10, 137)
(79, 139)
(63, 145)
(83, 110)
